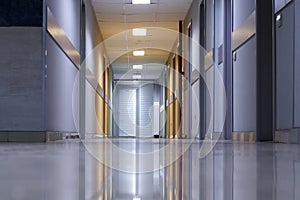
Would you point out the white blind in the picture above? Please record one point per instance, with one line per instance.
(127, 112)
(146, 101)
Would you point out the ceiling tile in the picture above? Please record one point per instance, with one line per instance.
(117, 16)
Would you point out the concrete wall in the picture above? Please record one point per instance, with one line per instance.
(21, 74)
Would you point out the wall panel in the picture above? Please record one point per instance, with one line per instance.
(145, 101)
(285, 70)
(297, 65)
(244, 88)
(241, 11)
(209, 75)
(21, 75)
(209, 25)
(67, 15)
(93, 122)
(61, 74)
(95, 64)
(219, 101)
(279, 4)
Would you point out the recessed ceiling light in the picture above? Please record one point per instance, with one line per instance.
(139, 32)
(138, 53)
(141, 2)
(137, 66)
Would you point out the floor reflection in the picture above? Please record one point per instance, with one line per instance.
(232, 171)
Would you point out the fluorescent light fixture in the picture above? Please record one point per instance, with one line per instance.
(137, 198)
(138, 53)
(141, 2)
(137, 66)
(139, 32)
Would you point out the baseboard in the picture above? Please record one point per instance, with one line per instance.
(291, 136)
(244, 136)
(22, 136)
(35, 136)
(54, 136)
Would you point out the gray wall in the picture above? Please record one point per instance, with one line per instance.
(279, 4)
(285, 70)
(214, 39)
(244, 88)
(192, 16)
(288, 65)
(297, 65)
(93, 34)
(209, 74)
(209, 43)
(95, 58)
(209, 78)
(244, 73)
(219, 101)
(21, 107)
(67, 15)
(61, 74)
(241, 11)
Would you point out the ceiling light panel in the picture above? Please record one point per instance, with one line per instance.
(139, 32)
(137, 67)
(138, 53)
(141, 2)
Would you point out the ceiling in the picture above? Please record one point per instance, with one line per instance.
(116, 16)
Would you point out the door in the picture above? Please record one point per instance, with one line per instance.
(285, 68)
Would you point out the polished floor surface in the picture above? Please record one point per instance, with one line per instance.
(70, 170)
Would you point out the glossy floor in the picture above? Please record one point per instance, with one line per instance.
(70, 170)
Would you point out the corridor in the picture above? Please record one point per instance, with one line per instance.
(150, 99)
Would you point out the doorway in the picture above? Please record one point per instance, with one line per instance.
(136, 109)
